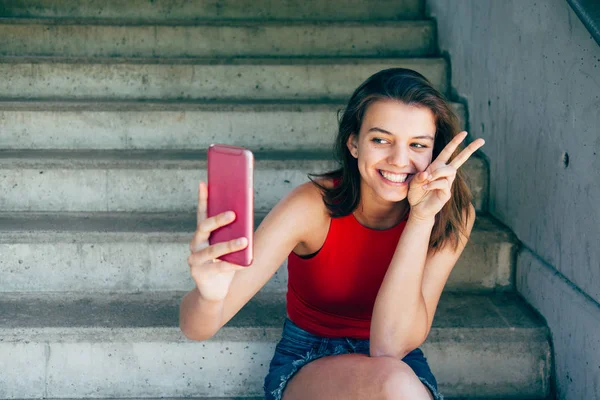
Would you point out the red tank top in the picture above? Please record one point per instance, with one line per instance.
(332, 294)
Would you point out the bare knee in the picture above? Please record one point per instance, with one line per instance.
(399, 382)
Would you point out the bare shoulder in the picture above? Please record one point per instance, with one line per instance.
(312, 216)
(313, 190)
(315, 218)
(309, 197)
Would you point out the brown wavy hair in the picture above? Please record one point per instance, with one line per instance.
(410, 88)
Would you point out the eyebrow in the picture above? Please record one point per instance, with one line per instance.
(376, 129)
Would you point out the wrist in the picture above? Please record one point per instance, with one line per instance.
(207, 302)
(425, 221)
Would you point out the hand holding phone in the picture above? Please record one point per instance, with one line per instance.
(213, 278)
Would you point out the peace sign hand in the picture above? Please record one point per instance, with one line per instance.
(430, 189)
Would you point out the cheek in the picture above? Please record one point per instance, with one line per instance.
(369, 157)
(423, 161)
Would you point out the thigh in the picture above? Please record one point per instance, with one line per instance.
(342, 368)
(355, 377)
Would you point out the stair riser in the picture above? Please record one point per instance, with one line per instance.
(155, 185)
(138, 369)
(331, 40)
(245, 79)
(153, 189)
(303, 128)
(144, 262)
(164, 10)
(134, 367)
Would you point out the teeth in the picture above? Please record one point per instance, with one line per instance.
(399, 178)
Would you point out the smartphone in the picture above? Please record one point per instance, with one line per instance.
(231, 188)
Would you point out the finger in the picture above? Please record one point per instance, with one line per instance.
(219, 220)
(422, 177)
(444, 172)
(206, 227)
(464, 155)
(199, 242)
(202, 201)
(195, 259)
(440, 184)
(220, 249)
(447, 152)
(217, 250)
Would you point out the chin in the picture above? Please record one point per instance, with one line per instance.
(392, 194)
(393, 198)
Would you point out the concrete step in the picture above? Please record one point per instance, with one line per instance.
(192, 10)
(262, 398)
(155, 181)
(129, 345)
(316, 79)
(129, 252)
(127, 38)
(191, 125)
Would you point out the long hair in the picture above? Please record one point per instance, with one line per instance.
(410, 88)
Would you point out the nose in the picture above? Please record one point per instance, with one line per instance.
(399, 156)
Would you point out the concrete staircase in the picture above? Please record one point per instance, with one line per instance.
(106, 110)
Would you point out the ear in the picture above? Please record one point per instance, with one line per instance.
(352, 144)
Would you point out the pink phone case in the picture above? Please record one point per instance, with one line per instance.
(231, 188)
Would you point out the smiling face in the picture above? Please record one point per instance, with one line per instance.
(394, 143)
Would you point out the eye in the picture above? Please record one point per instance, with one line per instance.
(419, 145)
(376, 140)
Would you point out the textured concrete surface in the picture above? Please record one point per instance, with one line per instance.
(66, 39)
(574, 320)
(530, 74)
(139, 181)
(191, 125)
(261, 398)
(132, 252)
(153, 181)
(194, 78)
(191, 10)
(130, 346)
(534, 95)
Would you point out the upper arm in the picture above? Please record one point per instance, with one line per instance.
(279, 233)
(438, 267)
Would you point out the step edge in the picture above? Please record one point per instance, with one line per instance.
(237, 60)
(225, 22)
(220, 105)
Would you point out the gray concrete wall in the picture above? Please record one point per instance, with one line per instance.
(529, 73)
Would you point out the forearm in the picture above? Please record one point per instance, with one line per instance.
(199, 319)
(399, 319)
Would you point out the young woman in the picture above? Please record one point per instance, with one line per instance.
(370, 247)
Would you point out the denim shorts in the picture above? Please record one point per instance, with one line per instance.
(298, 347)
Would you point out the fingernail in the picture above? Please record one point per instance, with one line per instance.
(230, 214)
(240, 241)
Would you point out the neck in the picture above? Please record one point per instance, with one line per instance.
(381, 218)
